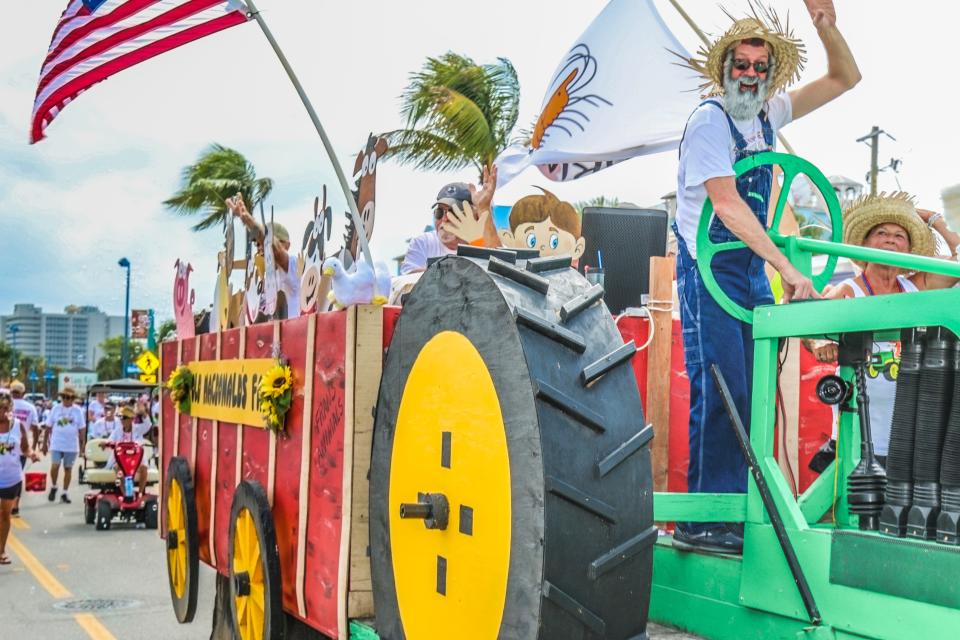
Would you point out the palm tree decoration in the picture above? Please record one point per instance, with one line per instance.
(218, 174)
(458, 114)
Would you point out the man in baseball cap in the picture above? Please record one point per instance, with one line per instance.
(461, 215)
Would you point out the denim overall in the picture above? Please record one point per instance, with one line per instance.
(711, 335)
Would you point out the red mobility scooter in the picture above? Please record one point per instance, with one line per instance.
(115, 490)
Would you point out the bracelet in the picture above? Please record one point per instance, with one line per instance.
(933, 219)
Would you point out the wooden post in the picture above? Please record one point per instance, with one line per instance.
(660, 305)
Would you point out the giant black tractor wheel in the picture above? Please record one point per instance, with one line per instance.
(510, 489)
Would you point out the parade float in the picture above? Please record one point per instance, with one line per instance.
(479, 461)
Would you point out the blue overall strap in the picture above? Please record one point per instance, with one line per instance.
(714, 103)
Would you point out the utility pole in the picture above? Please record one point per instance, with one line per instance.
(874, 138)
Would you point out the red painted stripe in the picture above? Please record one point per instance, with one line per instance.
(81, 12)
(125, 10)
(80, 83)
(176, 14)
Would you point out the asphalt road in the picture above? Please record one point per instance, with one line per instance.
(63, 571)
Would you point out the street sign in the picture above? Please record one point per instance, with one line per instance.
(149, 379)
(133, 370)
(148, 362)
(33, 376)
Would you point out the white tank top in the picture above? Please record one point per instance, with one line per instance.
(881, 381)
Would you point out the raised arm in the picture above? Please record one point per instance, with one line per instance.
(842, 72)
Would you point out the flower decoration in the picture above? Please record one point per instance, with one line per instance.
(180, 383)
(275, 394)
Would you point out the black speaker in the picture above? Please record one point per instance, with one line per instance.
(626, 239)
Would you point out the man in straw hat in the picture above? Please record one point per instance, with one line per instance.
(745, 72)
(64, 436)
(894, 224)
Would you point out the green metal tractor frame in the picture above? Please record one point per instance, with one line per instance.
(866, 585)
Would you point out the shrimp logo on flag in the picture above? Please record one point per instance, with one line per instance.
(616, 94)
(568, 105)
(97, 38)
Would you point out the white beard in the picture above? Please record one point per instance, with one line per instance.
(744, 105)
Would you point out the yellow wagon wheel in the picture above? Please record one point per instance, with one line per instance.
(256, 609)
(510, 485)
(183, 558)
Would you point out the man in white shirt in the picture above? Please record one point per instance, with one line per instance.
(745, 71)
(126, 432)
(455, 223)
(95, 408)
(64, 437)
(103, 427)
(289, 278)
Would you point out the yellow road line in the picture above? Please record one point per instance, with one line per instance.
(44, 577)
(19, 523)
(87, 621)
(93, 627)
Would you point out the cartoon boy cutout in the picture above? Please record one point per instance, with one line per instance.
(545, 223)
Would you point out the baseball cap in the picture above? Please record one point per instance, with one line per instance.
(454, 194)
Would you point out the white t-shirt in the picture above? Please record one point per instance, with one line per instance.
(10, 472)
(95, 409)
(709, 151)
(66, 423)
(136, 433)
(25, 412)
(102, 428)
(426, 245)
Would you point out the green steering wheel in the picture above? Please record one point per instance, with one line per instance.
(707, 249)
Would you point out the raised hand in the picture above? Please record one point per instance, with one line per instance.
(822, 13)
(465, 224)
(483, 197)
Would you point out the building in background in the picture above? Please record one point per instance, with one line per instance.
(69, 339)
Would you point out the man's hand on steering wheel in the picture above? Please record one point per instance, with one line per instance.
(796, 286)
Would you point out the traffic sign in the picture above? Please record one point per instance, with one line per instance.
(148, 362)
(149, 378)
(33, 376)
(133, 370)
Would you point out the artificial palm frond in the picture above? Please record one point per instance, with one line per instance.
(457, 113)
(219, 173)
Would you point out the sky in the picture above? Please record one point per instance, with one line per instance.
(91, 193)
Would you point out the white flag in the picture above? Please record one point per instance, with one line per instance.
(617, 93)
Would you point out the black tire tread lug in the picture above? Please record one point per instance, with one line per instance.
(613, 459)
(596, 370)
(581, 498)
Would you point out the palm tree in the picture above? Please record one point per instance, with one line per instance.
(598, 201)
(458, 114)
(219, 173)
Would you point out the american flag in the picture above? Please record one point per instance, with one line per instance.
(97, 38)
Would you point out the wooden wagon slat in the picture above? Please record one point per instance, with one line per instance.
(305, 447)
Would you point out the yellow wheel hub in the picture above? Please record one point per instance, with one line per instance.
(248, 578)
(177, 525)
(450, 442)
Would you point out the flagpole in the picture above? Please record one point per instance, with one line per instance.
(354, 214)
(706, 43)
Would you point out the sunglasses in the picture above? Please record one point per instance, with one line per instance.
(440, 211)
(759, 66)
(65, 396)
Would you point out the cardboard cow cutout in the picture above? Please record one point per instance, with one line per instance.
(545, 223)
(183, 299)
(365, 171)
(315, 236)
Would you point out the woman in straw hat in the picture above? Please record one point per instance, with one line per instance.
(745, 73)
(893, 223)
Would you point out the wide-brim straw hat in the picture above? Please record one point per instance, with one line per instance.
(68, 390)
(788, 51)
(898, 208)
